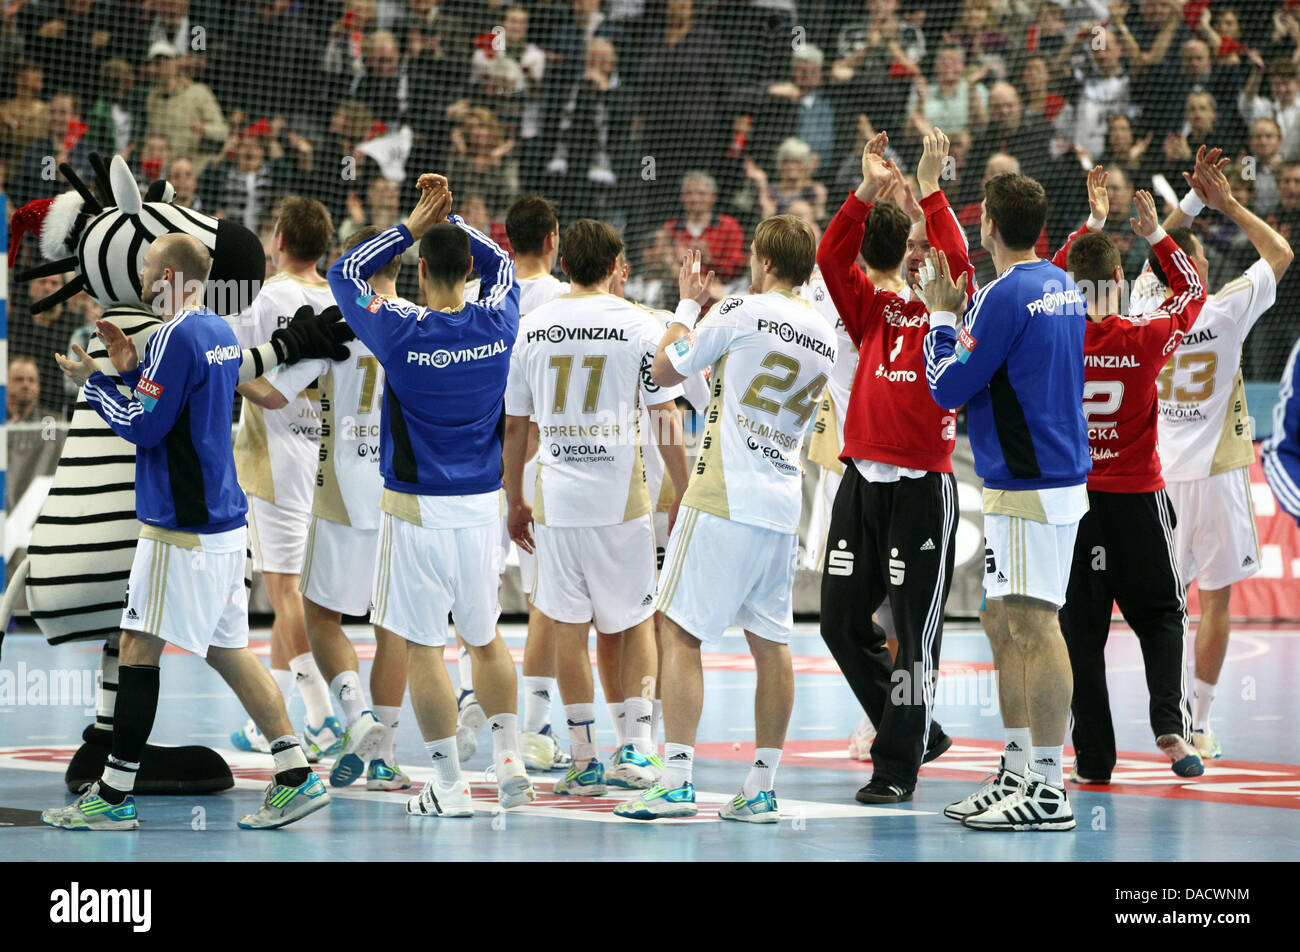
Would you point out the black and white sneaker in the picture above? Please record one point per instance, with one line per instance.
(880, 791)
(997, 787)
(1039, 806)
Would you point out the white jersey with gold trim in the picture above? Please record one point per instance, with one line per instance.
(827, 439)
(1204, 423)
(772, 356)
(276, 450)
(580, 367)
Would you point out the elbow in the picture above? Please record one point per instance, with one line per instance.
(274, 401)
(663, 372)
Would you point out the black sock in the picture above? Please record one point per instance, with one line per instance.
(137, 704)
(294, 776)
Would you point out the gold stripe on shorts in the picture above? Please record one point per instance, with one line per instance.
(307, 558)
(675, 572)
(1250, 510)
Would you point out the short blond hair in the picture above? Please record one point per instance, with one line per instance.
(790, 243)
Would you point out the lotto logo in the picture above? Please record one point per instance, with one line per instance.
(838, 561)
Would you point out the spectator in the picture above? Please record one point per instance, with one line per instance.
(382, 85)
(182, 110)
(1282, 105)
(80, 32)
(955, 100)
(981, 42)
(24, 118)
(813, 119)
(184, 183)
(246, 184)
(23, 397)
(1036, 89)
(64, 141)
(1271, 339)
(654, 284)
(480, 159)
(878, 60)
(1200, 116)
(151, 160)
(116, 118)
(1122, 151)
(1102, 90)
(1265, 154)
(513, 45)
(42, 335)
(343, 62)
(719, 237)
(1119, 190)
(795, 163)
(1014, 130)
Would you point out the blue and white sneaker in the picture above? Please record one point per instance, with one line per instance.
(323, 741)
(587, 782)
(380, 776)
(658, 802)
(1184, 760)
(470, 719)
(360, 743)
(632, 770)
(761, 809)
(250, 738)
(283, 805)
(90, 812)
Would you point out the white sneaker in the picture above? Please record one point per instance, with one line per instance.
(437, 800)
(861, 739)
(360, 743)
(469, 722)
(514, 788)
(1000, 785)
(540, 751)
(1038, 806)
(1207, 745)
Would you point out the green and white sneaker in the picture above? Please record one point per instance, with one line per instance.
(380, 776)
(632, 770)
(90, 812)
(587, 782)
(659, 802)
(762, 809)
(284, 805)
(324, 741)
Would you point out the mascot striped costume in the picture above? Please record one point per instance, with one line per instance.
(79, 558)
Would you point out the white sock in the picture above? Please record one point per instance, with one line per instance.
(290, 756)
(679, 764)
(465, 670)
(1047, 761)
(313, 689)
(446, 762)
(657, 721)
(349, 695)
(505, 737)
(636, 726)
(1202, 699)
(388, 751)
(762, 774)
(284, 681)
(1017, 750)
(581, 719)
(537, 703)
(119, 775)
(618, 717)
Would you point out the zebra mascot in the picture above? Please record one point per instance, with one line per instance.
(82, 545)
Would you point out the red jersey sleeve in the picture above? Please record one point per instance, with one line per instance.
(1161, 330)
(837, 256)
(944, 232)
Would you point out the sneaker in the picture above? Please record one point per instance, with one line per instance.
(90, 812)
(632, 770)
(323, 741)
(1099, 781)
(249, 737)
(541, 752)
(1207, 745)
(469, 722)
(995, 787)
(436, 800)
(1184, 759)
(587, 782)
(360, 742)
(514, 788)
(380, 776)
(1036, 806)
(283, 805)
(937, 747)
(880, 791)
(659, 802)
(762, 809)
(861, 739)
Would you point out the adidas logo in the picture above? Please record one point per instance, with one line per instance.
(647, 600)
(1012, 745)
(301, 676)
(1001, 577)
(643, 719)
(928, 545)
(759, 763)
(439, 755)
(542, 693)
(1247, 562)
(497, 727)
(132, 614)
(680, 757)
(1047, 761)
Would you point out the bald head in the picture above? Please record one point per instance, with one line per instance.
(1004, 105)
(175, 267)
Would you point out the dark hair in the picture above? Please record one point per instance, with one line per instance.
(367, 232)
(529, 220)
(444, 249)
(306, 226)
(589, 249)
(1018, 206)
(885, 240)
(1183, 238)
(1092, 259)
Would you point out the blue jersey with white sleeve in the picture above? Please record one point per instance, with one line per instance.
(1281, 450)
(444, 372)
(1016, 362)
(179, 418)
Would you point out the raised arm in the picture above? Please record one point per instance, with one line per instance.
(1180, 311)
(942, 229)
(1270, 244)
(1098, 210)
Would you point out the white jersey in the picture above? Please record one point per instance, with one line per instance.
(580, 367)
(772, 356)
(827, 440)
(1204, 423)
(276, 450)
(533, 292)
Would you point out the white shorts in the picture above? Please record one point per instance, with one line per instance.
(339, 566)
(1214, 532)
(719, 573)
(278, 536)
(819, 518)
(660, 522)
(193, 598)
(1023, 557)
(422, 575)
(604, 574)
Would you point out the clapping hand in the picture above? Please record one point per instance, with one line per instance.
(690, 283)
(936, 287)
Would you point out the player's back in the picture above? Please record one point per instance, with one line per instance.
(534, 292)
(582, 359)
(772, 356)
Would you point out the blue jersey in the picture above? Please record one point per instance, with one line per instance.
(444, 373)
(1281, 450)
(179, 418)
(1016, 362)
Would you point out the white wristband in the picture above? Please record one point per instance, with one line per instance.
(1156, 236)
(942, 319)
(687, 313)
(1096, 224)
(1191, 204)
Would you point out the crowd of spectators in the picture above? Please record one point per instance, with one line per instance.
(683, 122)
